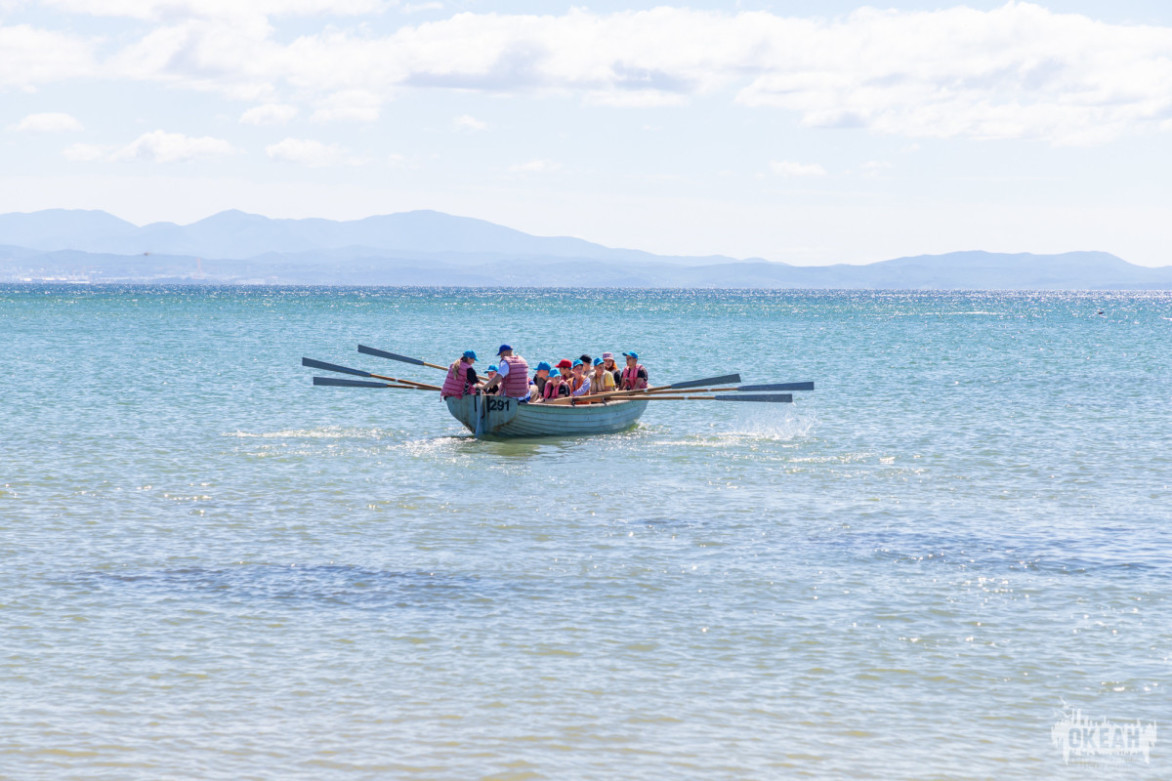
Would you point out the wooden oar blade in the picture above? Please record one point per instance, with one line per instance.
(333, 367)
(393, 356)
(340, 383)
(781, 386)
(775, 397)
(728, 379)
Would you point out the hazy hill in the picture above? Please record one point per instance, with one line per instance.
(430, 248)
(235, 234)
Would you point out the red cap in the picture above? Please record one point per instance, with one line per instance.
(564, 363)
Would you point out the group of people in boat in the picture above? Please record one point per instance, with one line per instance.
(509, 376)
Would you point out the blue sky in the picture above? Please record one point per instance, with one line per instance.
(808, 133)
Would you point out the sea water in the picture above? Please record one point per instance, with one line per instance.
(210, 568)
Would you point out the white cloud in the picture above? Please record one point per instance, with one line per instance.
(469, 124)
(49, 123)
(157, 146)
(269, 114)
(536, 167)
(171, 9)
(1018, 71)
(305, 151)
(788, 168)
(162, 147)
(30, 56)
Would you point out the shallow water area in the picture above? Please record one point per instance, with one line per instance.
(214, 569)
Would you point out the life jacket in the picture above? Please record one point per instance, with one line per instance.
(516, 383)
(631, 378)
(576, 382)
(456, 383)
(555, 387)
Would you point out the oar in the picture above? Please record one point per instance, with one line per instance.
(396, 357)
(727, 379)
(779, 386)
(722, 380)
(333, 367)
(340, 383)
(774, 397)
(777, 397)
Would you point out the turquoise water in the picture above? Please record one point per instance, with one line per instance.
(212, 569)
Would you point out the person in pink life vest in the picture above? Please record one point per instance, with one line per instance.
(512, 375)
(461, 379)
(634, 376)
(556, 386)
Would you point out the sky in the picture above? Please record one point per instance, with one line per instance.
(804, 132)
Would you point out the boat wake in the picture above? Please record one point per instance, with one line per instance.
(325, 432)
(749, 427)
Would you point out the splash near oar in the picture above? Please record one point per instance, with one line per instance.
(498, 408)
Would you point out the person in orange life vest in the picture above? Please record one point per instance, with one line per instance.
(537, 385)
(579, 382)
(609, 364)
(602, 380)
(461, 379)
(634, 376)
(512, 375)
(556, 386)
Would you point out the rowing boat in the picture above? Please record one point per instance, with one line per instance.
(500, 416)
(600, 413)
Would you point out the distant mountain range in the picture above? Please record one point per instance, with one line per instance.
(431, 248)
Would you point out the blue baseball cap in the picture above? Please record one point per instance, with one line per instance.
(632, 355)
(597, 361)
(503, 348)
(575, 363)
(492, 368)
(544, 365)
(470, 354)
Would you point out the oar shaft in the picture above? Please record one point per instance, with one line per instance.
(779, 386)
(396, 357)
(412, 383)
(340, 383)
(774, 397)
(333, 367)
(724, 379)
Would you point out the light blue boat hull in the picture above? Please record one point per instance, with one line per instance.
(497, 416)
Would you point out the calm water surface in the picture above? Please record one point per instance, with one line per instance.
(212, 569)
